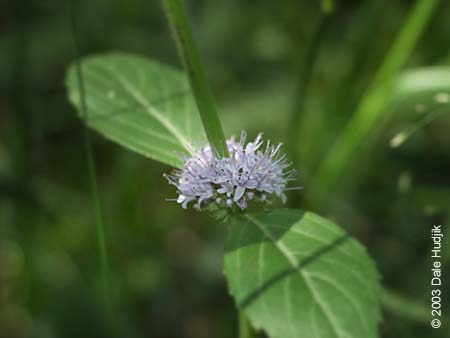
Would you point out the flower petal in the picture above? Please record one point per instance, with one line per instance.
(238, 193)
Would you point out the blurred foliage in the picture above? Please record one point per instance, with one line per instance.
(167, 263)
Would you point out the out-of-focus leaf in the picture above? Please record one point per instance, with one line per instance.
(421, 89)
(356, 136)
(419, 97)
(295, 274)
(140, 104)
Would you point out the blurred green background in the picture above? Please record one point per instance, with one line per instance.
(167, 262)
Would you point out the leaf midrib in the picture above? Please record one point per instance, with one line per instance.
(293, 262)
(134, 93)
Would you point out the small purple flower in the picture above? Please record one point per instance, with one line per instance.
(251, 173)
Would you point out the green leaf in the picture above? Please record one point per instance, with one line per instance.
(140, 104)
(297, 275)
(419, 97)
(420, 88)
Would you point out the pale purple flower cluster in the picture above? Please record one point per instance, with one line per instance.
(252, 172)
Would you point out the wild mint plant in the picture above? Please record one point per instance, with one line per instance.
(292, 273)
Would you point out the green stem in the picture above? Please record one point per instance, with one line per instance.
(401, 137)
(405, 307)
(100, 226)
(370, 110)
(187, 49)
(245, 329)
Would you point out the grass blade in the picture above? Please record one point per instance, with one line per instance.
(363, 123)
(98, 214)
